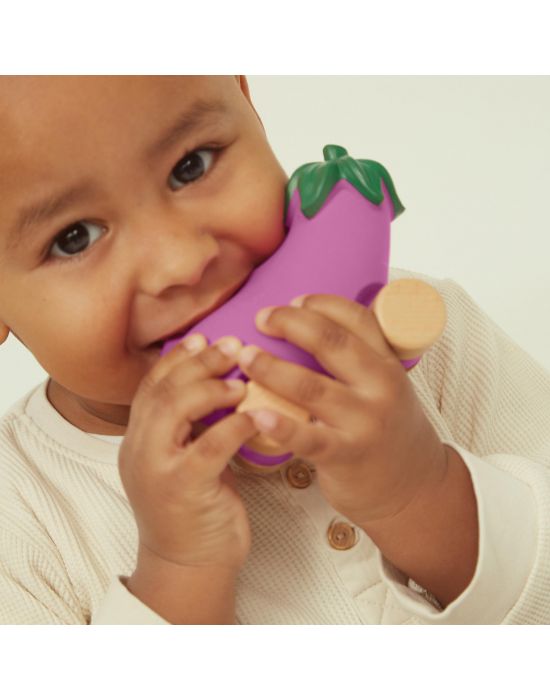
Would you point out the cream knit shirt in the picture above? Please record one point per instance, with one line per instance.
(68, 537)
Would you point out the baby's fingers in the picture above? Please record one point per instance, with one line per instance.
(321, 396)
(207, 456)
(312, 440)
(202, 360)
(179, 353)
(175, 408)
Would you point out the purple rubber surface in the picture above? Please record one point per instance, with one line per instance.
(343, 250)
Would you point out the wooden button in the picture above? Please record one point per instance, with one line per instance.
(341, 535)
(298, 475)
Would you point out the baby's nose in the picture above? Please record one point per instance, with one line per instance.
(177, 260)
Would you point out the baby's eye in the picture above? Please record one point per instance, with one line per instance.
(191, 167)
(75, 239)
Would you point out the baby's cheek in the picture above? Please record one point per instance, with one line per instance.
(90, 362)
(267, 221)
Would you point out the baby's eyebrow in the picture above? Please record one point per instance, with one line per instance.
(201, 113)
(38, 212)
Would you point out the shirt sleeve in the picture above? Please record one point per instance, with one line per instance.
(507, 542)
(34, 589)
(495, 402)
(120, 607)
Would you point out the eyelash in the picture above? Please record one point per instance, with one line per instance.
(49, 258)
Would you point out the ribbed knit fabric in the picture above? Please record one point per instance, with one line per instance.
(67, 530)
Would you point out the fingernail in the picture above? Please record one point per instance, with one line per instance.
(229, 346)
(264, 314)
(194, 342)
(264, 420)
(298, 301)
(247, 355)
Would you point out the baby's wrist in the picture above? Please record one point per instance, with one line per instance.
(411, 500)
(435, 539)
(184, 594)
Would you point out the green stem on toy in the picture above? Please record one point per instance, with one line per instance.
(316, 180)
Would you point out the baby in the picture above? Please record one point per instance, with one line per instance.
(131, 208)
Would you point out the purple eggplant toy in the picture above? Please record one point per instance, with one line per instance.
(337, 215)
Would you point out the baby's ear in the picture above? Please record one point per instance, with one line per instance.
(4, 332)
(242, 82)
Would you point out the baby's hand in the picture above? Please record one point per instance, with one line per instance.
(372, 444)
(187, 512)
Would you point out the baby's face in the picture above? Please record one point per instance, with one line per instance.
(147, 219)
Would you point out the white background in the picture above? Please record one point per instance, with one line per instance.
(319, 36)
(470, 158)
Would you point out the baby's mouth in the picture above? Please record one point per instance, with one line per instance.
(157, 345)
(179, 333)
